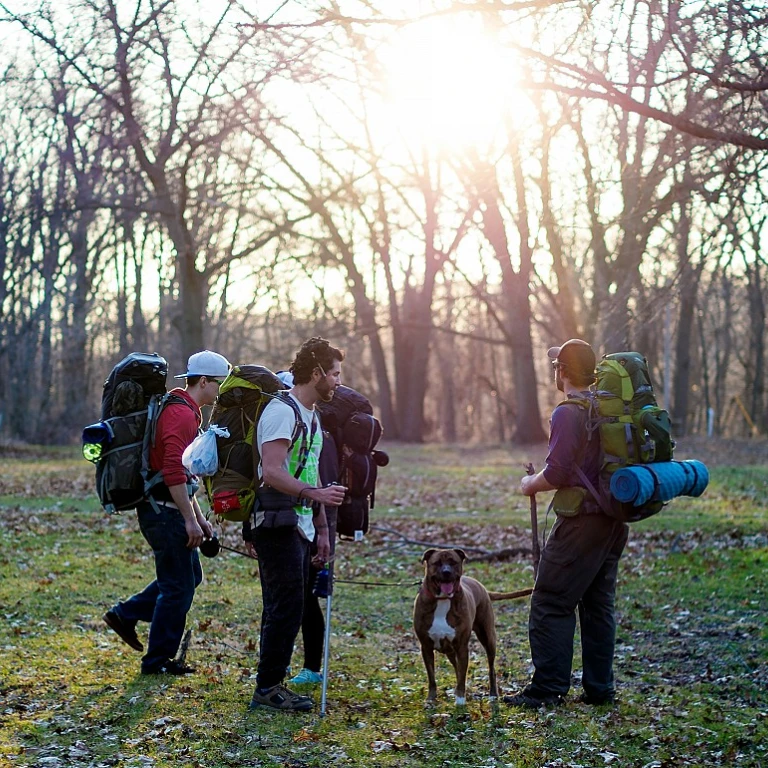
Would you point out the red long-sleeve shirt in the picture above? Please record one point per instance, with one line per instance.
(176, 429)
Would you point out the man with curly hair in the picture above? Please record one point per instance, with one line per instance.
(290, 508)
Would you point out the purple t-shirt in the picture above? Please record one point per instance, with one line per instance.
(569, 446)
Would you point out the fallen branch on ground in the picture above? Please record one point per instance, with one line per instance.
(479, 554)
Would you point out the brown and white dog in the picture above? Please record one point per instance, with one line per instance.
(448, 607)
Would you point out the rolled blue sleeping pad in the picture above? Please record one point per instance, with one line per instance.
(661, 481)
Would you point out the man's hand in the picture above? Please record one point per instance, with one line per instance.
(207, 528)
(323, 548)
(194, 532)
(331, 496)
(189, 509)
(526, 485)
(201, 520)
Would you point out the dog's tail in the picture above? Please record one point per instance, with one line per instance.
(510, 595)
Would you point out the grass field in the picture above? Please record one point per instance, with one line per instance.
(691, 661)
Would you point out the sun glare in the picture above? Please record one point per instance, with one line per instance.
(449, 81)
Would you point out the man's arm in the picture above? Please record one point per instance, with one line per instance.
(176, 429)
(273, 455)
(533, 484)
(323, 541)
(202, 522)
(565, 438)
(191, 524)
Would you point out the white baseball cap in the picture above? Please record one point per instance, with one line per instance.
(206, 363)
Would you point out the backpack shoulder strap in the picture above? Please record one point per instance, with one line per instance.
(299, 432)
(157, 404)
(582, 402)
(592, 423)
(602, 502)
(589, 405)
(299, 427)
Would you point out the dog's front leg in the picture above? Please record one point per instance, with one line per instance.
(428, 654)
(461, 665)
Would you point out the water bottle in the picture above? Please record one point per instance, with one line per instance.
(96, 437)
(321, 582)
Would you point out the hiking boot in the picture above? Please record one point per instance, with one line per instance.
(172, 667)
(306, 677)
(528, 701)
(126, 632)
(280, 697)
(597, 700)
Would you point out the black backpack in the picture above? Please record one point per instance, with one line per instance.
(133, 398)
(349, 418)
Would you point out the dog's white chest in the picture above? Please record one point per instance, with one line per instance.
(441, 629)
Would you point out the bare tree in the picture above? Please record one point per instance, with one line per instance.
(501, 218)
(714, 56)
(180, 83)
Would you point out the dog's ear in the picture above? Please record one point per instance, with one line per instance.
(427, 555)
(461, 553)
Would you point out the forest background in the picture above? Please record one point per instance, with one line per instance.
(443, 189)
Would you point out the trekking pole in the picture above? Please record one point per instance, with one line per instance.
(327, 643)
(534, 526)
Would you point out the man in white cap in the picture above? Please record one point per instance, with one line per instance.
(580, 561)
(172, 523)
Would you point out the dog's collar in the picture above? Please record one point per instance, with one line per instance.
(440, 595)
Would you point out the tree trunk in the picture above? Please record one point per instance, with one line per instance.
(755, 379)
(412, 361)
(414, 332)
(516, 298)
(366, 316)
(689, 287)
(75, 342)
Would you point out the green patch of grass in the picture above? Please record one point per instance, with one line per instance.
(691, 658)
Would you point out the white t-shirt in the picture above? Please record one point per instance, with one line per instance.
(277, 422)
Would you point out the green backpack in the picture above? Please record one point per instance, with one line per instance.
(622, 408)
(243, 395)
(633, 429)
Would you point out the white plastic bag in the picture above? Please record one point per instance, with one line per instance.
(200, 456)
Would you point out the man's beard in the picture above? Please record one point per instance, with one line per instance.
(324, 391)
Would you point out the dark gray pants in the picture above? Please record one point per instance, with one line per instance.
(284, 570)
(578, 570)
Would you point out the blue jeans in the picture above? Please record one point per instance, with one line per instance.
(165, 601)
(283, 570)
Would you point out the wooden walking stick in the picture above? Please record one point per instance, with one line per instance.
(534, 526)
